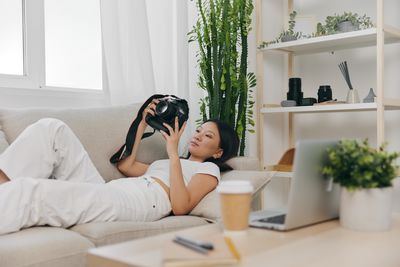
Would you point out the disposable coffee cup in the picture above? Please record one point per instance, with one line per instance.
(235, 199)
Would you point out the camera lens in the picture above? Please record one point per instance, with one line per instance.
(295, 92)
(165, 110)
(324, 93)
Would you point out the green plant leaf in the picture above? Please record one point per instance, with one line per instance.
(356, 165)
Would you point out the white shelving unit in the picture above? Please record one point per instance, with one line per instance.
(376, 37)
(334, 42)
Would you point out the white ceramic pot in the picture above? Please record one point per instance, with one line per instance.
(366, 209)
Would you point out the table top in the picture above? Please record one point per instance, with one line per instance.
(325, 244)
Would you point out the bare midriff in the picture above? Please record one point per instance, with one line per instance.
(163, 185)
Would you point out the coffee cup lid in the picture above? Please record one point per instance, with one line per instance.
(235, 187)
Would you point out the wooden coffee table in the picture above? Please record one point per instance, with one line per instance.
(325, 244)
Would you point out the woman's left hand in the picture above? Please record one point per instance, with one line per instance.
(173, 138)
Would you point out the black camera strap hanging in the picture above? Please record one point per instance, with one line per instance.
(126, 149)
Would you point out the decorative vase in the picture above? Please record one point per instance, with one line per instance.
(366, 209)
(352, 96)
(346, 26)
(370, 98)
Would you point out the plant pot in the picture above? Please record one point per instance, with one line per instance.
(288, 38)
(366, 209)
(346, 26)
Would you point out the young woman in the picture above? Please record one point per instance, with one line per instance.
(47, 178)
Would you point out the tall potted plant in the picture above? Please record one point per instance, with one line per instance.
(221, 33)
(365, 175)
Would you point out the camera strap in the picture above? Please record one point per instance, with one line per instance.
(126, 149)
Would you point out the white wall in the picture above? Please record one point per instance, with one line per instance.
(319, 69)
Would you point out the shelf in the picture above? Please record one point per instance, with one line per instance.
(334, 42)
(390, 104)
(322, 108)
(282, 175)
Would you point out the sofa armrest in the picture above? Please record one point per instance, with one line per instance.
(244, 163)
(209, 206)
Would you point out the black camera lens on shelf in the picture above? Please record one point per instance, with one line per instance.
(324, 93)
(295, 92)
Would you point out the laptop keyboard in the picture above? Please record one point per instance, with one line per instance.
(279, 219)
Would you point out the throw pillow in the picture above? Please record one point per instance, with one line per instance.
(209, 206)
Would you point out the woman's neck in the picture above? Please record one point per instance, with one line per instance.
(194, 158)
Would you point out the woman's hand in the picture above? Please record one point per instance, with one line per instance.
(150, 109)
(172, 140)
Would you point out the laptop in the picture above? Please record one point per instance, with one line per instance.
(312, 199)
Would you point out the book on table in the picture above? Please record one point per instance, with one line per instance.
(175, 255)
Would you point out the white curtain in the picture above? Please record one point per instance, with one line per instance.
(146, 50)
(127, 51)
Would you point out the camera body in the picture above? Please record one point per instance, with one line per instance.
(166, 110)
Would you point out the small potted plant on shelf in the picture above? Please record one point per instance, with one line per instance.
(286, 35)
(365, 175)
(346, 22)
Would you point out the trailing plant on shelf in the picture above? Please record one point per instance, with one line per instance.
(333, 24)
(221, 32)
(355, 165)
(286, 35)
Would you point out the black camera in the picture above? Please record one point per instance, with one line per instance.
(166, 110)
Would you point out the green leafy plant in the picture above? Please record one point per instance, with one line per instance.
(221, 33)
(289, 34)
(332, 22)
(355, 165)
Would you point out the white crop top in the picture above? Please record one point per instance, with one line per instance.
(160, 169)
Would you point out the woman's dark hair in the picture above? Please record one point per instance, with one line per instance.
(229, 143)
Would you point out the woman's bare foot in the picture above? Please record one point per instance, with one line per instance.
(3, 177)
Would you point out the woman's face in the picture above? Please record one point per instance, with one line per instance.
(205, 142)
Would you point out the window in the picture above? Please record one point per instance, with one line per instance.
(50, 44)
(11, 37)
(73, 44)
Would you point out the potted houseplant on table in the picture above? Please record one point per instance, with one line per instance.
(365, 175)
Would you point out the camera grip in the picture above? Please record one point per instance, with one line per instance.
(156, 124)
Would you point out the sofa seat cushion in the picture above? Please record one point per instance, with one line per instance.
(44, 247)
(114, 232)
(102, 131)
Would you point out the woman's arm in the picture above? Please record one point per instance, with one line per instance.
(129, 166)
(184, 199)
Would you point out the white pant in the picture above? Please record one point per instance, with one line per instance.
(77, 194)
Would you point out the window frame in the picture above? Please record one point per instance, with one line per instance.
(34, 72)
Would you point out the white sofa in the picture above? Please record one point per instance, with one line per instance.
(102, 131)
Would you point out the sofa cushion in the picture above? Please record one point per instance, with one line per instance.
(44, 247)
(114, 232)
(209, 206)
(3, 141)
(102, 131)
(244, 163)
